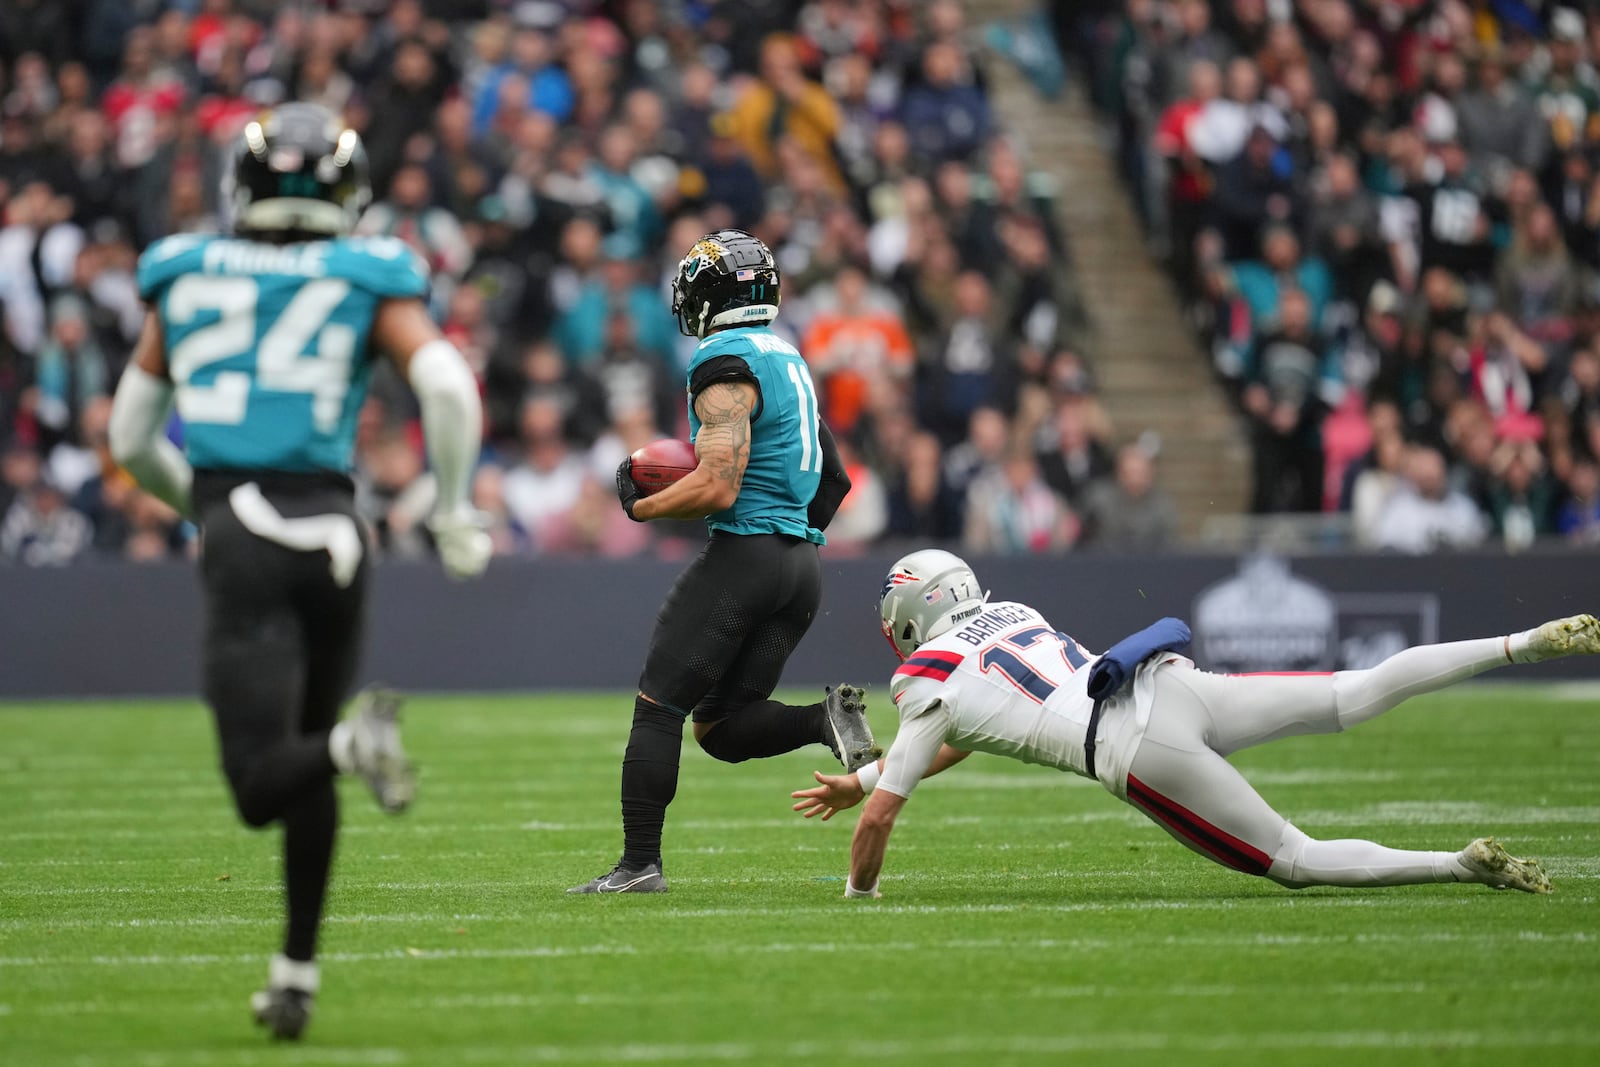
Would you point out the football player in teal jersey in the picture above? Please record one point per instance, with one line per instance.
(266, 339)
(767, 483)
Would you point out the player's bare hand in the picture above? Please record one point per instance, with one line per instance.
(836, 793)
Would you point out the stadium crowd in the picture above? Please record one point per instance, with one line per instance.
(1384, 216)
(551, 161)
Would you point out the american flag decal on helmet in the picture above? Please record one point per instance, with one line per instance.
(934, 595)
(744, 275)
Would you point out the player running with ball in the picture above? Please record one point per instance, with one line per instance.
(769, 480)
(1149, 726)
(267, 339)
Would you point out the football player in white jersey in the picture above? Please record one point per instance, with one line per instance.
(998, 678)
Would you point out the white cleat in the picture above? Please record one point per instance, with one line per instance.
(1578, 635)
(1496, 868)
(377, 752)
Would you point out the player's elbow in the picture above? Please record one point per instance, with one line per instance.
(722, 495)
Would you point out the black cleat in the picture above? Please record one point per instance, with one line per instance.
(620, 879)
(849, 735)
(285, 1012)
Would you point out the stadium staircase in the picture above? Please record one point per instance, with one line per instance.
(1153, 373)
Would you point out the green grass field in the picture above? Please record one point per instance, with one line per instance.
(1027, 916)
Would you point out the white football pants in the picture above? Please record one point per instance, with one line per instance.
(1180, 778)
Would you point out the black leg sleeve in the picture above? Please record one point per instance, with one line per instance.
(649, 780)
(309, 827)
(765, 728)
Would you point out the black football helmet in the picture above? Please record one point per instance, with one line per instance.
(728, 278)
(297, 170)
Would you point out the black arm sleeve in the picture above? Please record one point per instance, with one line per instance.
(834, 485)
(725, 369)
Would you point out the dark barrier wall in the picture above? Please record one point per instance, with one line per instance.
(115, 630)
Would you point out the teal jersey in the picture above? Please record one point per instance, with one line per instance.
(785, 455)
(267, 344)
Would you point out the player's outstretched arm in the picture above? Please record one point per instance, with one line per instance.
(139, 418)
(723, 449)
(870, 842)
(452, 425)
(841, 792)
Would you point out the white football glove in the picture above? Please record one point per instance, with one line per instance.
(462, 538)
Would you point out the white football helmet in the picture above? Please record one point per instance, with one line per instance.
(926, 594)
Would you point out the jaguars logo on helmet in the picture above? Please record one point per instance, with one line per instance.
(298, 169)
(729, 278)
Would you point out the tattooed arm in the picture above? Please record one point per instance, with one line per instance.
(723, 448)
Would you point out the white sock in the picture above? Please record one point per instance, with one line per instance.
(285, 973)
(341, 747)
(1517, 647)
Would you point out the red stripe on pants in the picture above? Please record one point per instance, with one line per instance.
(1218, 844)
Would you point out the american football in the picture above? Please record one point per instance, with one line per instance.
(660, 463)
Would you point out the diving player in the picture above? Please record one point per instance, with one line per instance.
(266, 339)
(997, 677)
(768, 481)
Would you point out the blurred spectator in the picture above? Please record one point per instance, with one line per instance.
(1579, 520)
(731, 181)
(970, 366)
(1346, 231)
(528, 78)
(71, 371)
(1130, 512)
(944, 117)
(634, 223)
(858, 350)
(984, 449)
(1254, 188)
(1284, 396)
(1375, 482)
(140, 97)
(785, 105)
(409, 214)
(1073, 456)
(1424, 514)
(1500, 124)
(1521, 498)
(38, 528)
(549, 477)
(1537, 281)
(922, 505)
(1011, 511)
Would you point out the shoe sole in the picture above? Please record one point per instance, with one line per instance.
(636, 886)
(846, 709)
(1488, 856)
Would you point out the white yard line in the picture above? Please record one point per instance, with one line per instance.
(1026, 1045)
(900, 995)
(1010, 946)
